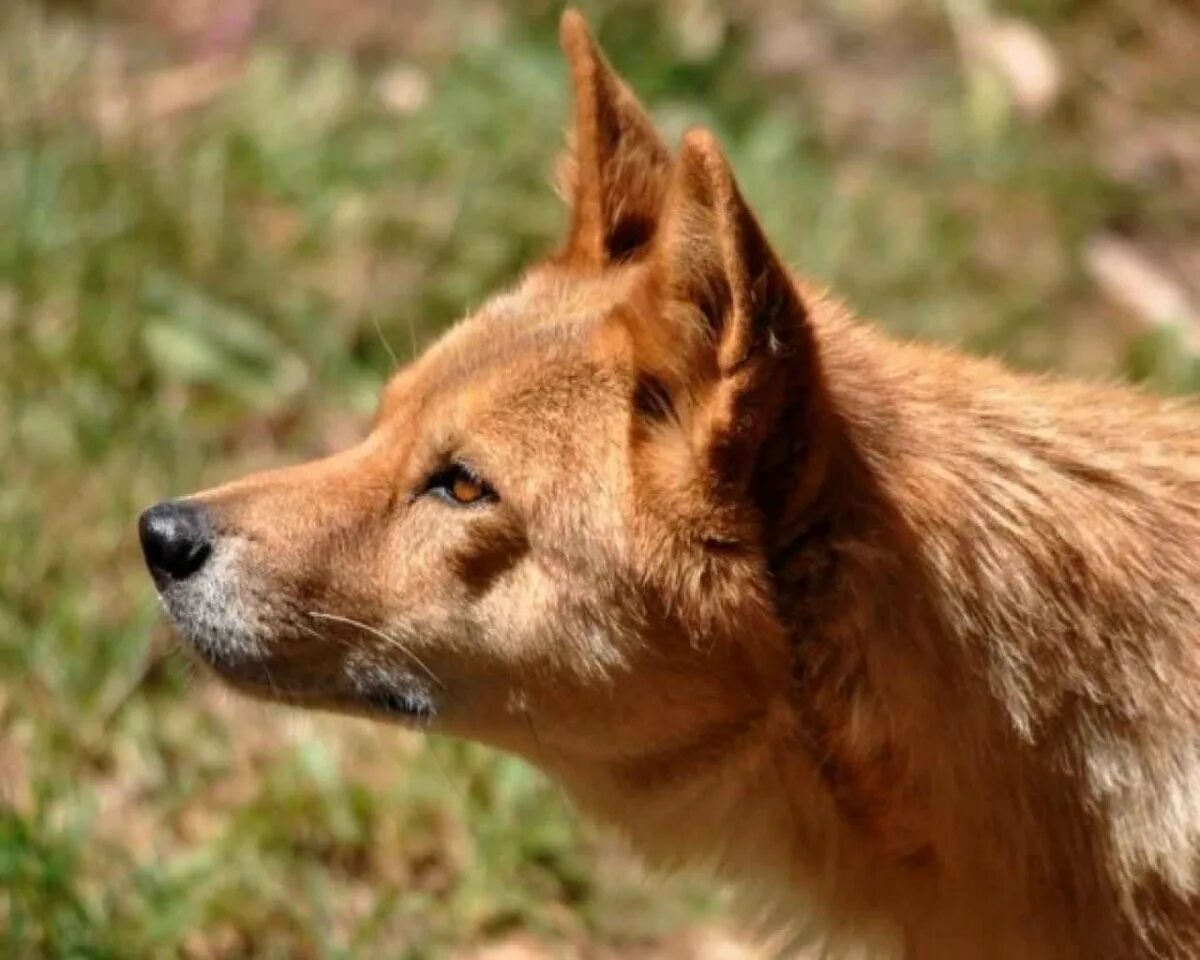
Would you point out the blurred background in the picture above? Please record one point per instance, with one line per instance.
(219, 220)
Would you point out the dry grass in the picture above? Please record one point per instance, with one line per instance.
(213, 220)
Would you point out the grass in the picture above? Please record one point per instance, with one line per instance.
(188, 296)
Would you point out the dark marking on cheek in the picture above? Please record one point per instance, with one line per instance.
(488, 553)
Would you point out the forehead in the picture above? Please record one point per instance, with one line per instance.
(540, 339)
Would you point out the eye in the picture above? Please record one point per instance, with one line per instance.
(460, 485)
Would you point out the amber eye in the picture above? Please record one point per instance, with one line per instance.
(459, 485)
(466, 489)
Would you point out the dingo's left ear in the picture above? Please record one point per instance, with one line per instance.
(616, 172)
(725, 332)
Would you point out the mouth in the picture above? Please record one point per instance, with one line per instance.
(240, 639)
(344, 683)
(407, 702)
(399, 697)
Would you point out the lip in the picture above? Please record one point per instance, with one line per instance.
(280, 662)
(402, 698)
(411, 703)
(236, 662)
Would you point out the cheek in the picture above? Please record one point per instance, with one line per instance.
(485, 553)
(470, 587)
(441, 562)
(546, 623)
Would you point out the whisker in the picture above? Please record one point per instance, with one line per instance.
(318, 635)
(384, 340)
(540, 749)
(387, 638)
(271, 681)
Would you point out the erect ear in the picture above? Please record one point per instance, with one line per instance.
(617, 167)
(725, 331)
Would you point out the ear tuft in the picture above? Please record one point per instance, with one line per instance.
(703, 164)
(574, 35)
(617, 168)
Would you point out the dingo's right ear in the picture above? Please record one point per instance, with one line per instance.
(616, 171)
(722, 332)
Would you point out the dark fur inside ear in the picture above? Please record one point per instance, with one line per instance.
(652, 399)
(630, 235)
(617, 169)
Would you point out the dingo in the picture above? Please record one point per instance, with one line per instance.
(907, 644)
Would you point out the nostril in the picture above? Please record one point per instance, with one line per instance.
(176, 539)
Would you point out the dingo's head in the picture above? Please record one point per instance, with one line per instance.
(556, 535)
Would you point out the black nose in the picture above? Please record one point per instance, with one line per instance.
(176, 539)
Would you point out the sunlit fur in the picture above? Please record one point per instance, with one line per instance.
(906, 644)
